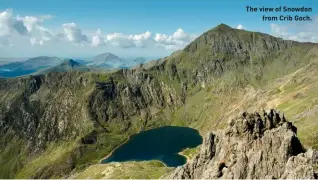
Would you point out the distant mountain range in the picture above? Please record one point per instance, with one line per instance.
(109, 60)
(4, 60)
(29, 66)
(43, 64)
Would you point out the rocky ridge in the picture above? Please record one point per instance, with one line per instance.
(99, 108)
(253, 146)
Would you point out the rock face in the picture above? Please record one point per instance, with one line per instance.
(43, 108)
(253, 146)
(117, 100)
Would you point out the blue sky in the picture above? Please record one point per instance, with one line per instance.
(123, 25)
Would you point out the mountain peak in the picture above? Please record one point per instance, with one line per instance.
(226, 40)
(106, 60)
(106, 55)
(223, 27)
(70, 62)
(68, 65)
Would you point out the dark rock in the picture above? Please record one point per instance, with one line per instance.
(249, 150)
(91, 138)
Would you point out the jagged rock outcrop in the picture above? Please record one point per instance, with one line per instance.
(253, 146)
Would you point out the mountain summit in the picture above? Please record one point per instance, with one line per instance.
(68, 65)
(107, 60)
(223, 40)
(222, 27)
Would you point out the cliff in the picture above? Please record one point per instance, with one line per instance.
(253, 146)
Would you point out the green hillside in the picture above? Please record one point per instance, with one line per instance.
(60, 124)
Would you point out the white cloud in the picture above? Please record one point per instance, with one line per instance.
(141, 37)
(73, 34)
(163, 39)
(46, 34)
(21, 28)
(120, 40)
(28, 26)
(98, 39)
(240, 26)
(35, 41)
(142, 40)
(180, 35)
(304, 32)
(10, 25)
(29, 22)
(177, 40)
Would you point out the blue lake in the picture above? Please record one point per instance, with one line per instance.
(161, 144)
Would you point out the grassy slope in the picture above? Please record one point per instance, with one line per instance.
(59, 157)
(54, 162)
(126, 170)
(295, 94)
(289, 84)
(189, 153)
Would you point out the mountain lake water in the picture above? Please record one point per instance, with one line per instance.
(161, 144)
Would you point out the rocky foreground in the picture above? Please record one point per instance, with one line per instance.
(253, 146)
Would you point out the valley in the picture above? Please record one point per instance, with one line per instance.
(60, 124)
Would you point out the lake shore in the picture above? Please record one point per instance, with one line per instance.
(109, 154)
(134, 148)
(189, 153)
(184, 155)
